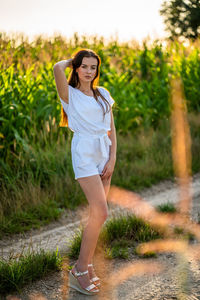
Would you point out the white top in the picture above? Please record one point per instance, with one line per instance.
(85, 115)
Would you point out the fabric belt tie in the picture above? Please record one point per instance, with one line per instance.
(103, 138)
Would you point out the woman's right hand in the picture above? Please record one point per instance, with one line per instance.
(63, 64)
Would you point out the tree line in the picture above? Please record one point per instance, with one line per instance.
(181, 18)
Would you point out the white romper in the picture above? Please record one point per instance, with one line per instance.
(90, 146)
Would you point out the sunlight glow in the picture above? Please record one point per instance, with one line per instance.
(125, 20)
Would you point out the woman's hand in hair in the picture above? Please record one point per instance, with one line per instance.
(63, 64)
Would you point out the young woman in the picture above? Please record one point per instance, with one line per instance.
(87, 111)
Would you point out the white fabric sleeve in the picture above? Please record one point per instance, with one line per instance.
(111, 100)
(67, 105)
(64, 105)
(107, 95)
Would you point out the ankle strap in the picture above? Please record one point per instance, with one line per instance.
(81, 273)
(90, 265)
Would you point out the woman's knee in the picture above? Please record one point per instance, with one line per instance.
(99, 214)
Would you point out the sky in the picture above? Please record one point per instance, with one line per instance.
(126, 20)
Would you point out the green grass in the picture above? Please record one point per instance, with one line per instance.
(74, 247)
(166, 208)
(144, 158)
(15, 274)
(40, 186)
(198, 218)
(119, 236)
(127, 227)
(35, 165)
(38, 189)
(148, 254)
(32, 218)
(180, 232)
(117, 251)
(36, 177)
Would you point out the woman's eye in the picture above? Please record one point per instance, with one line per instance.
(92, 68)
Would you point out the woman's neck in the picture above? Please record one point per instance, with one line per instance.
(85, 86)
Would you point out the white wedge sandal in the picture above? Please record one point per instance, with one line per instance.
(74, 283)
(94, 278)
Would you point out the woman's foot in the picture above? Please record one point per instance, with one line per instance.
(84, 280)
(92, 275)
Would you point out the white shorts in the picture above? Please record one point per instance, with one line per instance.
(89, 153)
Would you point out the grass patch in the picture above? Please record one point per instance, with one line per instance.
(119, 236)
(183, 234)
(127, 227)
(144, 157)
(14, 274)
(148, 254)
(198, 218)
(194, 121)
(27, 200)
(33, 217)
(117, 252)
(30, 181)
(75, 245)
(166, 208)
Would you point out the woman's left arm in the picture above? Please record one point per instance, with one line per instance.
(109, 167)
(112, 136)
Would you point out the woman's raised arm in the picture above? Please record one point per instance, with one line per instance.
(60, 78)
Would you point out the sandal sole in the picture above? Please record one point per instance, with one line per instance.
(73, 283)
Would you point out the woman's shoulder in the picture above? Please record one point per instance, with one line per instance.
(72, 91)
(103, 90)
(105, 93)
(71, 87)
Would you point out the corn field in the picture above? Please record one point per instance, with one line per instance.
(137, 77)
(36, 175)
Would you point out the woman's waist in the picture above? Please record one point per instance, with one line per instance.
(101, 136)
(90, 134)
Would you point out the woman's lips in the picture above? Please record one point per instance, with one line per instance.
(88, 76)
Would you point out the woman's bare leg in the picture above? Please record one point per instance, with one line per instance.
(93, 189)
(106, 185)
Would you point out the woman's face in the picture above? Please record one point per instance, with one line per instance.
(87, 70)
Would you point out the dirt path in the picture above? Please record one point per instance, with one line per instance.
(164, 285)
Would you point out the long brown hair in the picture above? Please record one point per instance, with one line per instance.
(73, 80)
